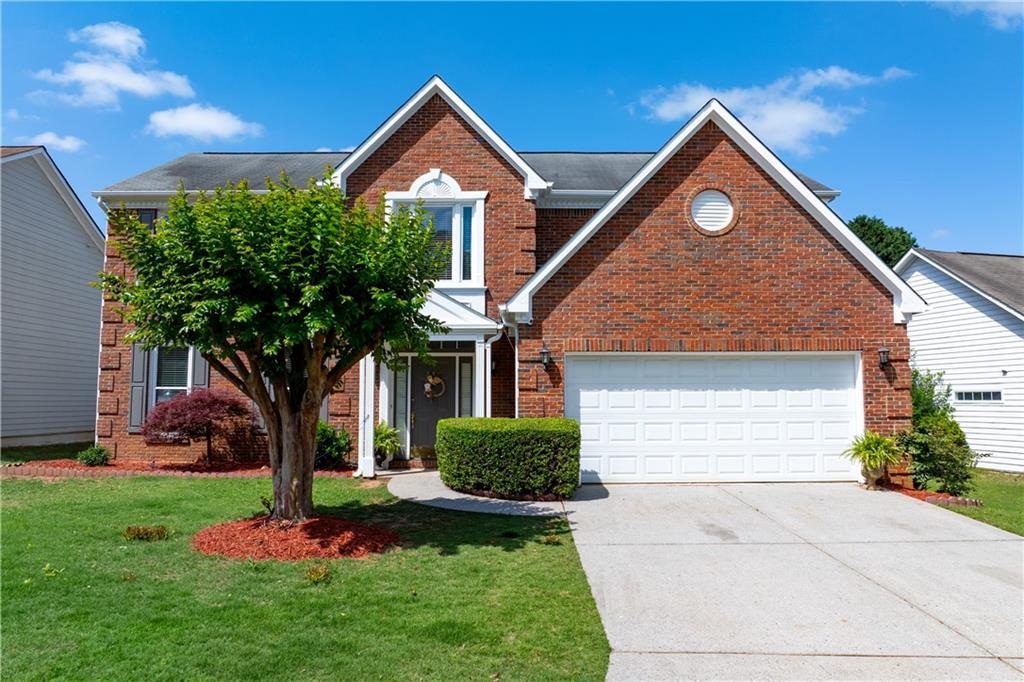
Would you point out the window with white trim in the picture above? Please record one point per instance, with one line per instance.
(457, 219)
(978, 396)
(171, 369)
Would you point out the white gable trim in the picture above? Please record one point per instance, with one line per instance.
(910, 256)
(534, 184)
(456, 316)
(905, 299)
(60, 183)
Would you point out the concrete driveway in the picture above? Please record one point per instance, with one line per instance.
(798, 581)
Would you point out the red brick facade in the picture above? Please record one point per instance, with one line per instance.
(646, 282)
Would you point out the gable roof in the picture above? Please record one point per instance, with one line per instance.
(905, 300)
(598, 172)
(457, 316)
(997, 277)
(436, 86)
(41, 156)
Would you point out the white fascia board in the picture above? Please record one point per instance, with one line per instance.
(534, 184)
(459, 317)
(67, 195)
(912, 255)
(905, 300)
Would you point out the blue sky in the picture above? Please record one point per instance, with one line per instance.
(913, 110)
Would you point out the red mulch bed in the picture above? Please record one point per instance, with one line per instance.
(321, 537)
(192, 467)
(918, 494)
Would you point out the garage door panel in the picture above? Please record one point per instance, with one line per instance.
(675, 418)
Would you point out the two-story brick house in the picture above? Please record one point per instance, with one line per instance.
(700, 310)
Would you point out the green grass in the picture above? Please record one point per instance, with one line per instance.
(1002, 497)
(468, 596)
(39, 452)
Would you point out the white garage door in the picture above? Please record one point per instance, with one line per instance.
(706, 417)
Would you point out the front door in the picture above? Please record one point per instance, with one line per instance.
(432, 398)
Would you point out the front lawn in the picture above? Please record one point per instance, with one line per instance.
(34, 453)
(1002, 495)
(470, 596)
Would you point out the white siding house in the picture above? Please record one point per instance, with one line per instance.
(973, 332)
(50, 249)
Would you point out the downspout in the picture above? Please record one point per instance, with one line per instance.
(515, 357)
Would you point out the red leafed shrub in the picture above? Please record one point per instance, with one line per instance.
(195, 415)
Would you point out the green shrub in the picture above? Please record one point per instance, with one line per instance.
(318, 573)
(874, 450)
(385, 441)
(928, 394)
(332, 446)
(94, 456)
(939, 452)
(146, 533)
(509, 457)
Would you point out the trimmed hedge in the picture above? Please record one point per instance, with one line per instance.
(510, 458)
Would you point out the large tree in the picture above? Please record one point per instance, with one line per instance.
(282, 292)
(887, 241)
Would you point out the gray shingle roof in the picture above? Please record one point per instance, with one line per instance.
(206, 170)
(999, 276)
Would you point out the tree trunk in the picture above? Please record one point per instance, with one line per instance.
(292, 449)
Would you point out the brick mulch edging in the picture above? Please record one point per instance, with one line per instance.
(34, 470)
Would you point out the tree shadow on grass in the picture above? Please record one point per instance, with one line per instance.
(449, 531)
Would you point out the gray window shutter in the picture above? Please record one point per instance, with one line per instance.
(200, 370)
(324, 411)
(138, 390)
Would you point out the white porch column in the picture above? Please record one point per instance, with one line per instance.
(365, 449)
(481, 376)
(387, 382)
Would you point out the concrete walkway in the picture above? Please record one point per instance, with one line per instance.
(425, 487)
(798, 581)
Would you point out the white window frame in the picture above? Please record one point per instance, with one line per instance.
(153, 388)
(972, 401)
(436, 189)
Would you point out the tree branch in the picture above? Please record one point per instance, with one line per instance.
(222, 369)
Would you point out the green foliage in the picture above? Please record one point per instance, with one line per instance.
(939, 453)
(510, 457)
(385, 440)
(265, 274)
(332, 446)
(874, 450)
(888, 242)
(146, 533)
(318, 573)
(94, 456)
(929, 395)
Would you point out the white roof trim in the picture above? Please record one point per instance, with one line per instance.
(909, 257)
(60, 183)
(534, 185)
(905, 300)
(456, 316)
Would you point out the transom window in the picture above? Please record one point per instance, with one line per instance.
(171, 369)
(977, 396)
(456, 217)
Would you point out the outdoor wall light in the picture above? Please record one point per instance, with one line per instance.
(883, 357)
(545, 355)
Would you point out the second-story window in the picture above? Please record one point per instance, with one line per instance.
(456, 217)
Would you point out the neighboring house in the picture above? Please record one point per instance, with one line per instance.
(700, 310)
(50, 250)
(973, 332)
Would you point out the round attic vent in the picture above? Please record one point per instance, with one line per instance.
(712, 211)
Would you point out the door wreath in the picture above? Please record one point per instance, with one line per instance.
(433, 386)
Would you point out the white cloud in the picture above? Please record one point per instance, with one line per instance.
(112, 36)
(940, 233)
(200, 122)
(112, 65)
(328, 149)
(1005, 16)
(50, 139)
(12, 114)
(323, 149)
(789, 114)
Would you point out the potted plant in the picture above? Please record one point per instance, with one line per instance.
(874, 452)
(386, 444)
